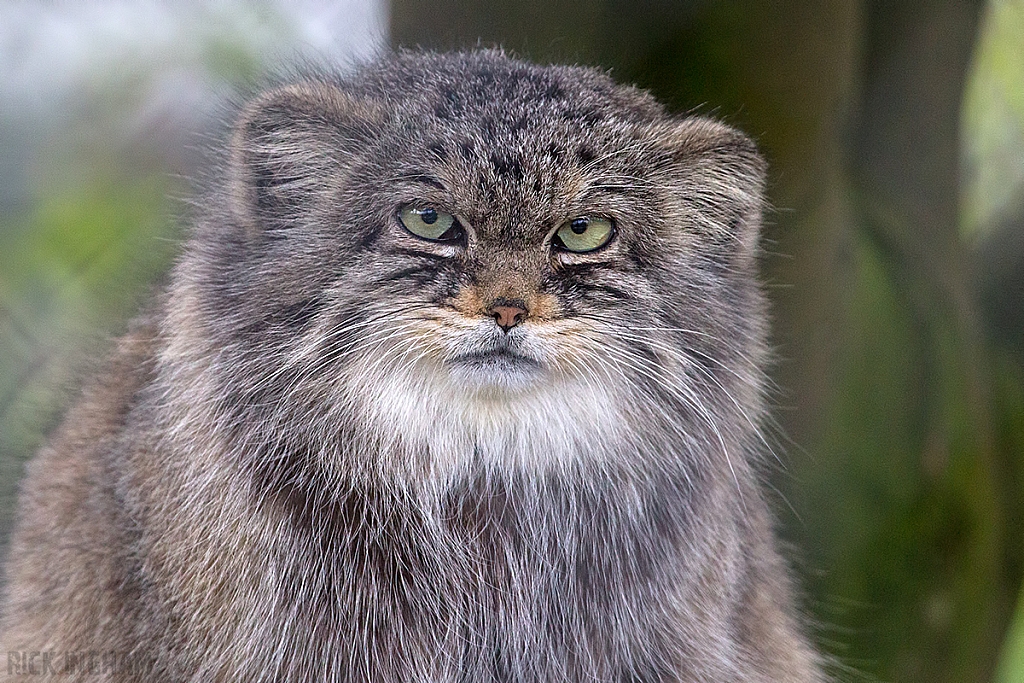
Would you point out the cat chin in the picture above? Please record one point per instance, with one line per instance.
(507, 413)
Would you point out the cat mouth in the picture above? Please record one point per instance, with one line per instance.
(496, 359)
(495, 368)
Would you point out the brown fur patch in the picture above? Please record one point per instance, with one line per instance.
(473, 303)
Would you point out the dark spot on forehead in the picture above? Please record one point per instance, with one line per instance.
(554, 91)
(555, 152)
(438, 151)
(450, 105)
(585, 154)
(586, 116)
(507, 166)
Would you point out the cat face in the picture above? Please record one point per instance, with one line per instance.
(508, 290)
(439, 237)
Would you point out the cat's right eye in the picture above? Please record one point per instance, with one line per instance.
(430, 224)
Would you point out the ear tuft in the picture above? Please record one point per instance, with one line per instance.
(288, 145)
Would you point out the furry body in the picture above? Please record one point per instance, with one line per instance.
(322, 459)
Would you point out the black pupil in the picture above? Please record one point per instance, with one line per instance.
(428, 216)
(579, 226)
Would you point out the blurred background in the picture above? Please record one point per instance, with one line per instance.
(894, 251)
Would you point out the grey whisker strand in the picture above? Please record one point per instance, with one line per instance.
(592, 382)
(681, 352)
(305, 373)
(373, 339)
(367, 342)
(733, 348)
(599, 316)
(622, 151)
(676, 352)
(376, 337)
(695, 403)
(284, 367)
(415, 360)
(370, 372)
(342, 335)
(403, 347)
(389, 314)
(584, 376)
(581, 372)
(616, 327)
(686, 437)
(617, 369)
(301, 378)
(338, 331)
(758, 432)
(628, 182)
(707, 374)
(650, 370)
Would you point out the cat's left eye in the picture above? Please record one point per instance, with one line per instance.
(429, 223)
(583, 234)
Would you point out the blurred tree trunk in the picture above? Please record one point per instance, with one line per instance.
(896, 485)
(932, 562)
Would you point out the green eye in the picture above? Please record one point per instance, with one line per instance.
(429, 223)
(584, 234)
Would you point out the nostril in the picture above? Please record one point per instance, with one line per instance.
(507, 317)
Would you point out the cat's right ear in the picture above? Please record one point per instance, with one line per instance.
(290, 146)
(720, 176)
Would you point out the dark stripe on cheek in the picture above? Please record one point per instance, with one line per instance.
(429, 268)
(611, 290)
(585, 154)
(295, 317)
(419, 253)
(299, 315)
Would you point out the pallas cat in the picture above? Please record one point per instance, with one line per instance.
(459, 378)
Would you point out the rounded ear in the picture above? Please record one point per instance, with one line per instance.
(288, 146)
(720, 177)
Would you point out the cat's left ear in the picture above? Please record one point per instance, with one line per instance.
(719, 177)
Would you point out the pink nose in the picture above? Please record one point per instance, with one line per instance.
(507, 317)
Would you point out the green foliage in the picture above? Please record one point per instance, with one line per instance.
(82, 252)
(994, 121)
(1011, 666)
(72, 269)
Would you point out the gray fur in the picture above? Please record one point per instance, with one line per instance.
(291, 471)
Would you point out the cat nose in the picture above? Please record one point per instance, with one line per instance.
(507, 316)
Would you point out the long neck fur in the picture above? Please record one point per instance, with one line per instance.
(306, 570)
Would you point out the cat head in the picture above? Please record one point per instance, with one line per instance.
(474, 227)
